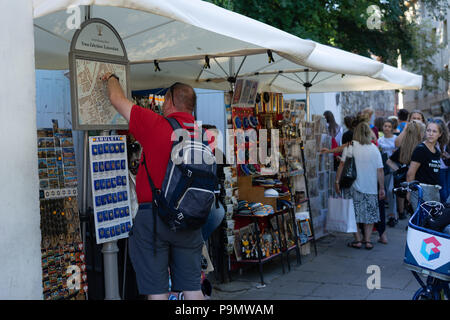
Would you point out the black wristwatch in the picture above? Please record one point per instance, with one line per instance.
(115, 76)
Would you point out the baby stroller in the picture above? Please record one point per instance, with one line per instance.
(427, 250)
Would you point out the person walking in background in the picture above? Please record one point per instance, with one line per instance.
(394, 120)
(335, 131)
(379, 122)
(402, 119)
(387, 147)
(444, 175)
(365, 116)
(369, 115)
(347, 136)
(401, 158)
(417, 115)
(425, 163)
(364, 192)
(387, 141)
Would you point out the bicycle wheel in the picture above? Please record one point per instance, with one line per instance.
(444, 291)
(421, 294)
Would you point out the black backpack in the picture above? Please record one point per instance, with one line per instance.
(188, 189)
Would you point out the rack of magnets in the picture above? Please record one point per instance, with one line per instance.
(110, 187)
(63, 262)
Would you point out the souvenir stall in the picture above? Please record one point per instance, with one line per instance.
(274, 207)
(277, 184)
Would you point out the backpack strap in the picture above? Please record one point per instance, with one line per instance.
(152, 185)
(154, 202)
(174, 123)
(155, 192)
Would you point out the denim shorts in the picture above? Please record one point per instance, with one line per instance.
(178, 251)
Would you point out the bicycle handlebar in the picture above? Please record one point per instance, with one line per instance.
(406, 184)
(410, 186)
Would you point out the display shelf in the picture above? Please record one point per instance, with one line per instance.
(303, 201)
(283, 251)
(262, 260)
(256, 216)
(307, 200)
(289, 249)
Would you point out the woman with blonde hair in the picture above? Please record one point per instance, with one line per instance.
(414, 116)
(401, 158)
(369, 184)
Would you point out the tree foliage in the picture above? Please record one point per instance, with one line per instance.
(354, 26)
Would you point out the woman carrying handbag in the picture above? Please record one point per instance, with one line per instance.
(368, 186)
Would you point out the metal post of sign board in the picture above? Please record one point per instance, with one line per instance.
(110, 267)
(84, 212)
(307, 85)
(110, 250)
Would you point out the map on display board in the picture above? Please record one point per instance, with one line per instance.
(94, 106)
(96, 49)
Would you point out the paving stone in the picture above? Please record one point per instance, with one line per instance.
(336, 273)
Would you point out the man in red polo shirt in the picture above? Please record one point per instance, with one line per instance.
(181, 250)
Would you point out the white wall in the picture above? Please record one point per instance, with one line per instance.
(53, 98)
(20, 236)
(53, 103)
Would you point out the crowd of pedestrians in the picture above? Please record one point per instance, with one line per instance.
(388, 151)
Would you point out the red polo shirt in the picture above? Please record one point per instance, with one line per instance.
(154, 134)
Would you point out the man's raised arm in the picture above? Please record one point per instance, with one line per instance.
(117, 96)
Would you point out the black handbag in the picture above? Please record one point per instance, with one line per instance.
(348, 175)
(400, 176)
(386, 168)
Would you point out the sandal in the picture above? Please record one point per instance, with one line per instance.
(370, 247)
(382, 241)
(354, 244)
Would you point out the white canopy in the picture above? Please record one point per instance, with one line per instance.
(179, 34)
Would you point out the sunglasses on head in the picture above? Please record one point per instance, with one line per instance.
(172, 92)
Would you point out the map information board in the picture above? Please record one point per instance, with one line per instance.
(94, 107)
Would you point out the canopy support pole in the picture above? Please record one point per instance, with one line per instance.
(84, 214)
(308, 105)
(230, 80)
(240, 66)
(307, 85)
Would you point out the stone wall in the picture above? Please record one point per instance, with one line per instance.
(382, 102)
